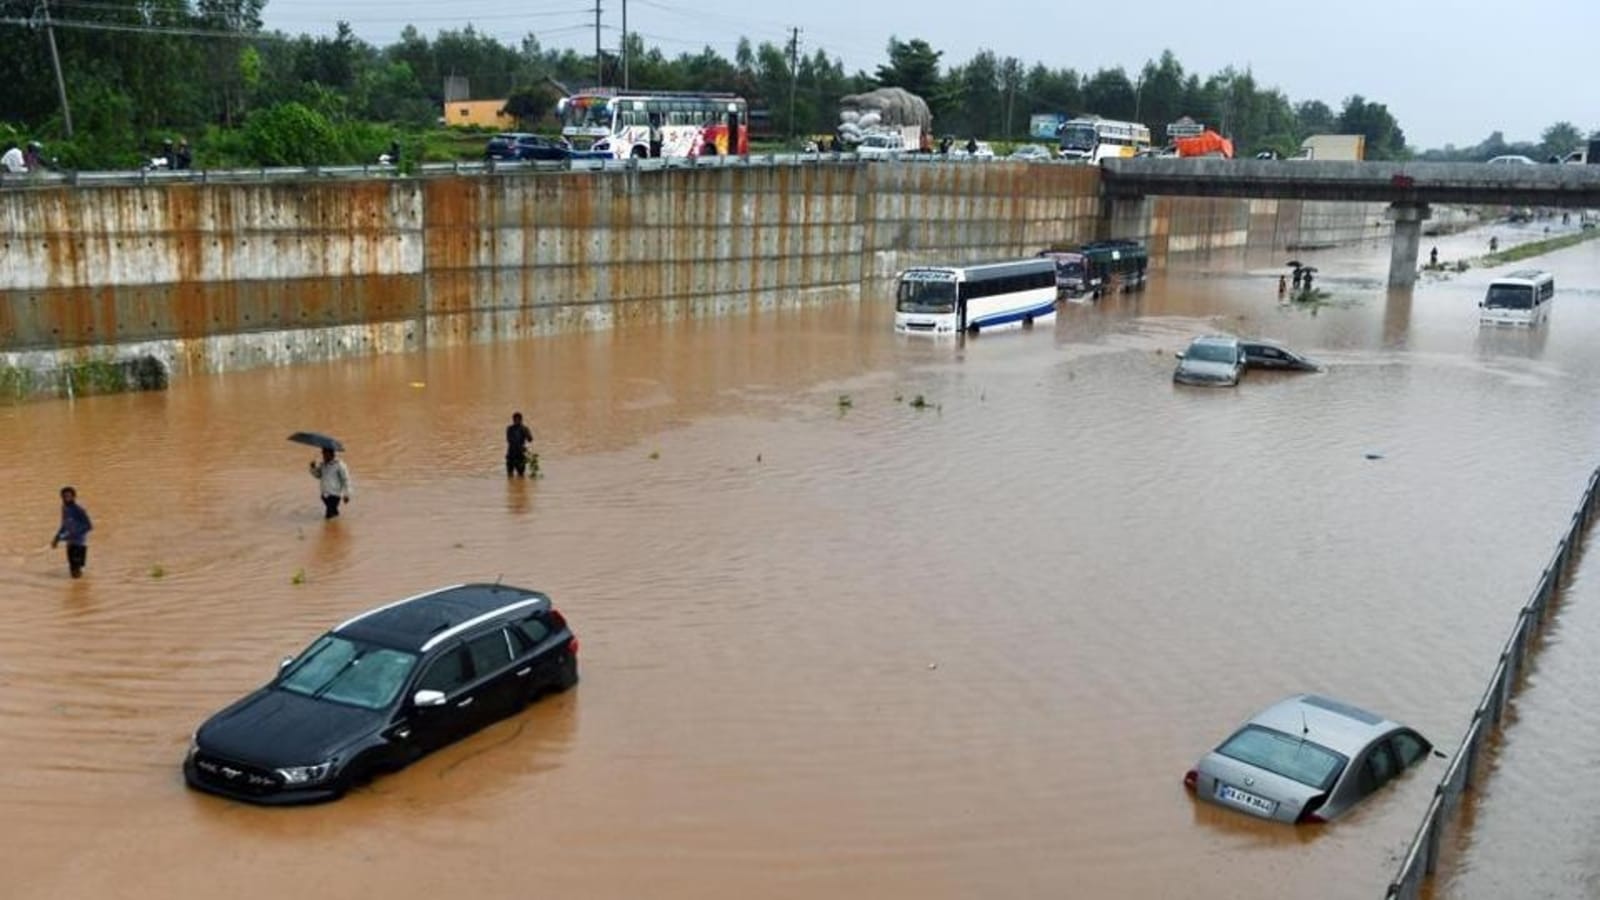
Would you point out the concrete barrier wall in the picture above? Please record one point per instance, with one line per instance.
(209, 277)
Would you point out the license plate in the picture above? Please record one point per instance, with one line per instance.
(1245, 799)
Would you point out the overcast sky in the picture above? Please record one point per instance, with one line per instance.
(1451, 71)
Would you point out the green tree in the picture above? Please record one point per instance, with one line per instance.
(1109, 94)
(913, 65)
(290, 134)
(1559, 139)
(1385, 140)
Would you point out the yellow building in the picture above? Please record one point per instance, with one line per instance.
(478, 113)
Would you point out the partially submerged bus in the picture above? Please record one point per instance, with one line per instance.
(1100, 268)
(684, 124)
(1519, 298)
(954, 299)
(1092, 139)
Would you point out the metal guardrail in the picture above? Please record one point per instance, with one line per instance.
(125, 178)
(1422, 859)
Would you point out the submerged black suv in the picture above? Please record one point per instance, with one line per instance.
(381, 690)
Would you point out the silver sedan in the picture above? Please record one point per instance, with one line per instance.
(1305, 759)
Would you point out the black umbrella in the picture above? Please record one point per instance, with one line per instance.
(1311, 269)
(316, 439)
(1293, 262)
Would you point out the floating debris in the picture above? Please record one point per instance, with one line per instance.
(1374, 455)
(655, 454)
(158, 571)
(299, 577)
(919, 402)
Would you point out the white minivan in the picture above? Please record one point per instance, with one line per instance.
(1520, 298)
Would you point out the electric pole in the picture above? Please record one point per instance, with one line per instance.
(794, 74)
(624, 44)
(599, 59)
(55, 62)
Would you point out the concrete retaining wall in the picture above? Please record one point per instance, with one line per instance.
(219, 276)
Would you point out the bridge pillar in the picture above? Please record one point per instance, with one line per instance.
(1408, 219)
(1124, 217)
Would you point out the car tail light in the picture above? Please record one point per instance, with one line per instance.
(556, 619)
(572, 646)
(1308, 813)
(1191, 778)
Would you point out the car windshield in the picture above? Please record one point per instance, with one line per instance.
(1297, 759)
(927, 297)
(343, 671)
(1211, 352)
(1509, 296)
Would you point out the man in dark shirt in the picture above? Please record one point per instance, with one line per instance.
(75, 527)
(518, 437)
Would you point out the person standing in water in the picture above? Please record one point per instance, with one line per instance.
(518, 437)
(75, 528)
(334, 479)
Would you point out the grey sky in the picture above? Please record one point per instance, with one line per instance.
(1451, 72)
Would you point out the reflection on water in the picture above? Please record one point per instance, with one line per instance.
(875, 651)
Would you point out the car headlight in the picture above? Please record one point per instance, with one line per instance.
(296, 775)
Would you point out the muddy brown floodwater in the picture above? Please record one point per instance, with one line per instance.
(880, 651)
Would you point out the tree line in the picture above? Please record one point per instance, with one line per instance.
(137, 72)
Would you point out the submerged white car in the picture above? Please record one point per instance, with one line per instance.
(1214, 360)
(1305, 759)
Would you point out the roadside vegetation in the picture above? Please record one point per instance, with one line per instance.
(138, 73)
(1540, 247)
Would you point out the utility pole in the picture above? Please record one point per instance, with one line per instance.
(599, 60)
(794, 74)
(55, 62)
(624, 44)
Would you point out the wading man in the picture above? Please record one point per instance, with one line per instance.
(334, 479)
(75, 528)
(518, 437)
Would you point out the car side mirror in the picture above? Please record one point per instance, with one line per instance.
(1179, 354)
(284, 663)
(427, 698)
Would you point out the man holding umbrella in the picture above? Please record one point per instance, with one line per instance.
(334, 477)
(331, 473)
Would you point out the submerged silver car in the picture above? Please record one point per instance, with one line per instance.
(1215, 360)
(1305, 759)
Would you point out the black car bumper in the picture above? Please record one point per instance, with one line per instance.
(201, 781)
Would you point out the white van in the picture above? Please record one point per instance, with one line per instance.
(1520, 298)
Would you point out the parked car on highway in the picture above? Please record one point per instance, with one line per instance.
(1273, 356)
(1305, 759)
(382, 690)
(983, 151)
(885, 145)
(521, 146)
(1214, 360)
(1514, 159)
(1030, 153)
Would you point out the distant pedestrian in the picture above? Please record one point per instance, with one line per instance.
(944, 145)
(12, 160)
(334, 479)
(182, 157)
(1283, 285)
(33, 156)
(1299, 276)
(1433, 258)
(518, 437)
(1308, 281)
(1494, 244)
(75, 528)
(655, 135)
(972, 146)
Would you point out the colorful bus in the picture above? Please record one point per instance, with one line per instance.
(1092, 139)
(1099, 268)
(948, 300)
(685, 124)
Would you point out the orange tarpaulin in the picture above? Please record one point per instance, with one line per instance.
(1206, 143)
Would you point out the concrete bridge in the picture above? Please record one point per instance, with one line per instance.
(1408, 188)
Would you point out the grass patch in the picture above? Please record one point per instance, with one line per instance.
(15, 383)
(1539, 248)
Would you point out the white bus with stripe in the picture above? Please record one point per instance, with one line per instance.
(955, 299)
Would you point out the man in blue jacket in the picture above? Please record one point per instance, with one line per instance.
(75, 528)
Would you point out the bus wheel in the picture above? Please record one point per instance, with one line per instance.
(640, 153)
(1027, 321)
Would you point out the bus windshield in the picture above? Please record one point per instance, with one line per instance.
(931, 297)
(1079, 137)
(587, 112)
(1509, 296)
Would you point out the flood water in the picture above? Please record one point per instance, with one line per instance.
(871, 651)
